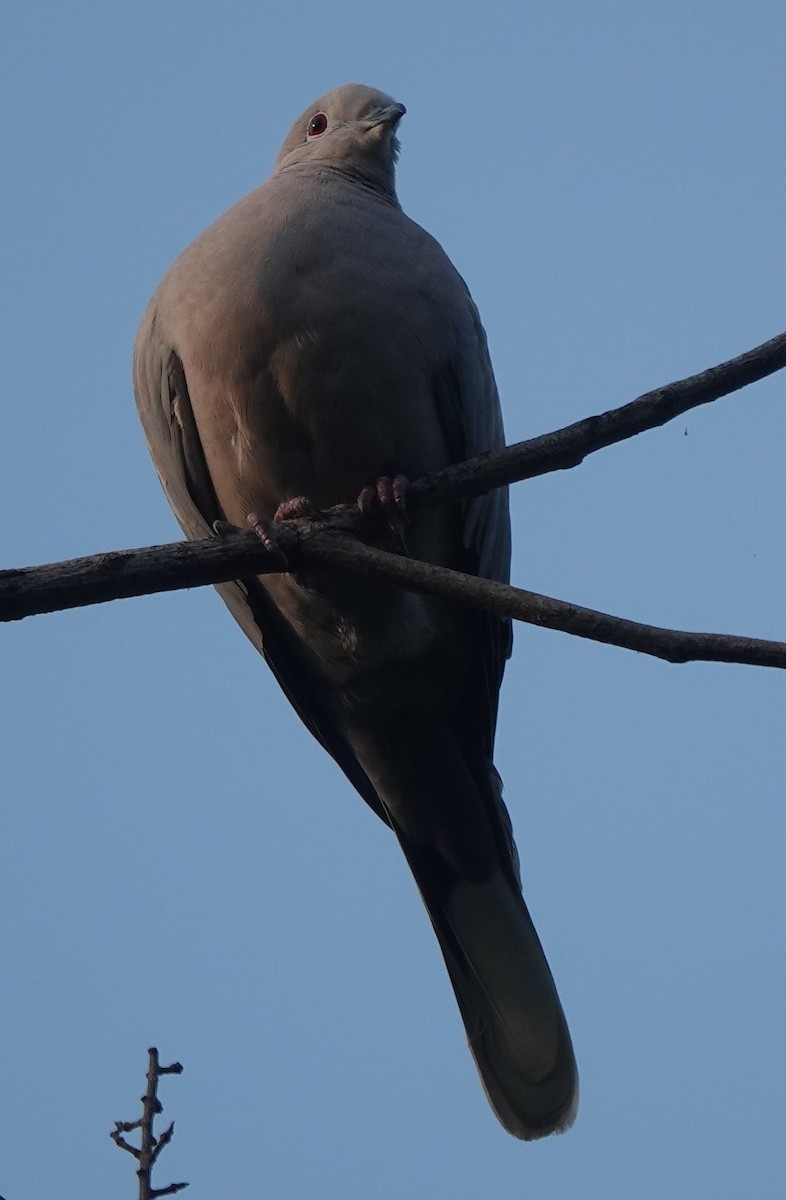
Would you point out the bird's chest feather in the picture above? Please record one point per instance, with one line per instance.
(311, 375)
(312, 355)
(321, 414)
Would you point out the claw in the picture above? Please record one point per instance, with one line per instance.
(400, 485)
(290, 510)
(389, 495)
(264, 531)
(367, 500)
(224, 529)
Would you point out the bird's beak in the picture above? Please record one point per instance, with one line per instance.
(389, 116)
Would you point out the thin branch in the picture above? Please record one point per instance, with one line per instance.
(121, 574)
(306, 543)
(150, 1146)
(341, 553)
(568, 447)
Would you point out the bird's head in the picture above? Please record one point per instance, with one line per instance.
(351, 129)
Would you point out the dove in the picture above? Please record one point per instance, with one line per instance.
(315, 342)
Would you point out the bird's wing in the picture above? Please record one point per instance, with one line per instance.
(173, 440)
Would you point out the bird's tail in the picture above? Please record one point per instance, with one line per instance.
(507, 997)
(455, 833)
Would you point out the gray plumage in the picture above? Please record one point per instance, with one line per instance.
(310, 341)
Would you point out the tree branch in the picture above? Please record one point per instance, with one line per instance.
(150, 1146)
(344, 554)
(323, 541)
(568, 447)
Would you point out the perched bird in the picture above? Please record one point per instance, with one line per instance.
(311, 342)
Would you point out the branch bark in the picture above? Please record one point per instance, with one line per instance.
(150, 1147)
(324, 541)
(568, 447)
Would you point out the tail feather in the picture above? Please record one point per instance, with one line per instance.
(508, 1001)
(448, 815)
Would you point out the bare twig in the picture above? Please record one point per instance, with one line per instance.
(322, 541)
(341, 553)
(306, 543)
(151, 1146)
(569, 447)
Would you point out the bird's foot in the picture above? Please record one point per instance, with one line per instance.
(291, 510)
(288, 510)
(225, 529)
(389, 496)
(265, 533)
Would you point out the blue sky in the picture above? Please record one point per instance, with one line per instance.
(179, 864)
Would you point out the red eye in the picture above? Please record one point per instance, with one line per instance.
(317, 125)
